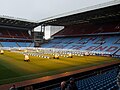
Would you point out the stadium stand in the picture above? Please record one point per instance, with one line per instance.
(14, 32)
(88, 29)
(104, 81)
(9, 44)
(23, 44)
(96, 31)
(89, 43)
(15, 38)
(8, 33)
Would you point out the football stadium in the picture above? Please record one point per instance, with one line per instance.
(86, 48)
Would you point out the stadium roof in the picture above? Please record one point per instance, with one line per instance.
(12, 22)
(108, 10)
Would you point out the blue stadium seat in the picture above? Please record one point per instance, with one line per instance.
(9, 44)
(24, 44)
(85, 43)
(105, 81)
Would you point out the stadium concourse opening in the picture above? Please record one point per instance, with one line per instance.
(87, 48)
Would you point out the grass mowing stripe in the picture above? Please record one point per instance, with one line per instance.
(13, 63)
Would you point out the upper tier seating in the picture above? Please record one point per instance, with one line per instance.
(4, 33)
(14, 34)
(75, 30)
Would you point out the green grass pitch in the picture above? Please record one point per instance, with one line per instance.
(14, 69)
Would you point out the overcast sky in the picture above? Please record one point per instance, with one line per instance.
(40, 9)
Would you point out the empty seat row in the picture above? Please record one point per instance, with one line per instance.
(104, 81)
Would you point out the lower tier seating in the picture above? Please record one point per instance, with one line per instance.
(106, 44)
(105, 81)
(16, 44)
